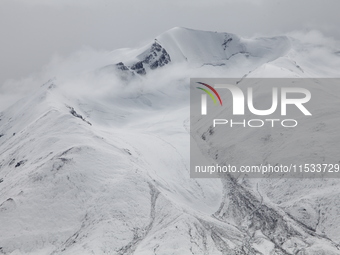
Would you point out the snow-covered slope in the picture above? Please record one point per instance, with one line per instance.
(99, 163)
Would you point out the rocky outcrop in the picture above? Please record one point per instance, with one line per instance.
(153, 58)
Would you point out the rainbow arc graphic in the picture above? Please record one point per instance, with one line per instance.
(209, 90)
(209, 93)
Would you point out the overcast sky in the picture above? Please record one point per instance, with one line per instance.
(32, 31)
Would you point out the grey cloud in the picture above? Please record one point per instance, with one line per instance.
(33, 31)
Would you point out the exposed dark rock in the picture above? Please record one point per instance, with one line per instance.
(124, 72)
(12, 162)
(75, 114)
(8, 205)
(253, 215)
(122, 67)
(140, 234)
(139, 68)
(226, 42)
(20, 163)
(157, 57)
(138, 65)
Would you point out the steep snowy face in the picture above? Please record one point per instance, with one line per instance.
(154, 57)
(200, 48)
(212, 48)
(228, 55)
(99, 164)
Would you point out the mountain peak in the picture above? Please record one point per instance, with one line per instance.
(199, 48)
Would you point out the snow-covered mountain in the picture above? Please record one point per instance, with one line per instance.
(98, 163)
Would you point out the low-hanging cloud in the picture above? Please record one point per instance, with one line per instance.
(33, 31)
(61, 68)
(78, 71)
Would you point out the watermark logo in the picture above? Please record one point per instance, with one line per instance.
(239, 99)
(204, 97)
(280, 98)
(257, 127)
